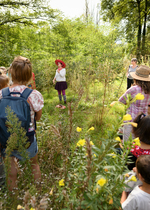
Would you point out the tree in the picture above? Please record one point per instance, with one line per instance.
(134, 15)
(24, 11)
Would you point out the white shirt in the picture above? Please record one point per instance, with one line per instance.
(137, 200)
(60, 77)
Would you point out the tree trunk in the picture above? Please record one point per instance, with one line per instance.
(139, 30)
(144, 29)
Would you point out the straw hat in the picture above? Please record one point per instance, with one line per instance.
(142, 73)
(63, 64)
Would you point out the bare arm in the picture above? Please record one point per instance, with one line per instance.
(38, 115)
(123, 197)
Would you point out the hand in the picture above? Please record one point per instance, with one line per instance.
(54, 81)
(113, 103)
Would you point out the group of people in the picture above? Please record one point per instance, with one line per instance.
(138, 83)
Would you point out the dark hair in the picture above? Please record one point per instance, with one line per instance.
(21, 70)
(143, 128)
(143, 167)
(145, 85)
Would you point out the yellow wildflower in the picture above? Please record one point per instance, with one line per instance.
(32, 208)
(91, 129)
(20, 207)
(91, 143)
(78, 129)
(61, 183)
(133, 178)
(139, 96)
(113, 155)
(94, 155)
(118, 138)
(127, 117)
(101, 182)
(81, 142)
(134, 124)
(137, 141)
(126, 175)
(111, 201)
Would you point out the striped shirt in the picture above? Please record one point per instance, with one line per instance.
(139, 105)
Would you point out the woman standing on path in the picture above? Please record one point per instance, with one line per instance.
(142, 85)
(60, 79)
(132, 68)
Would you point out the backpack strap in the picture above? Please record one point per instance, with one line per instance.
(5, 92)
(25, 94)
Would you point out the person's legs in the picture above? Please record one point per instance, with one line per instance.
(64, 96)
(35, 168)
(12, 175)
(59, 95)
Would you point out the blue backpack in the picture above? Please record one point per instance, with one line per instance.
(19, 106)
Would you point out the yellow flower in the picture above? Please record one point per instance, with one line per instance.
(91, 143)
(106, 169)
(101, 182)
(81, 142)
(133, 178)
(139, 96)
(118, 138)
(20, 207)
(61, 183)
(137, 141)
(111, 201)
(94, 155)
(134, 124)
(126, 175)
(91, 129)
(113, 155)
(32, 208)
(127, 117)
(78, 129)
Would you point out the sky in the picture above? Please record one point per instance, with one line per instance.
(73, 8)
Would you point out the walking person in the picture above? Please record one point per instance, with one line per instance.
(21, 73)
(142, 85)
(60, 78)
(132, 68)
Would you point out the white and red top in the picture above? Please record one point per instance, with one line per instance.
(35, 99)
(137, 151)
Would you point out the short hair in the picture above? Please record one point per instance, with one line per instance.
(134, 59)
(21, 70)
(143, 128)
(145, 85)
(4, 80)
(143, 167)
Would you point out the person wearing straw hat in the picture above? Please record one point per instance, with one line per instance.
(141, 79)
(60, 78)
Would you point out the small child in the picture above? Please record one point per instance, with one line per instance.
(4, 80)
(60, 78)
(139, 198)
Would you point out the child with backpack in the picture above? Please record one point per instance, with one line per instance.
(139, 198)
(29, 100)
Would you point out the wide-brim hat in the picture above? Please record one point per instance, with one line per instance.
(63, 64)
(142, 73)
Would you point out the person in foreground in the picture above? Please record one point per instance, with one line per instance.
(139, 198)
(21, 73)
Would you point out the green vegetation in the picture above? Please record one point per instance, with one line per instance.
(96, 63)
